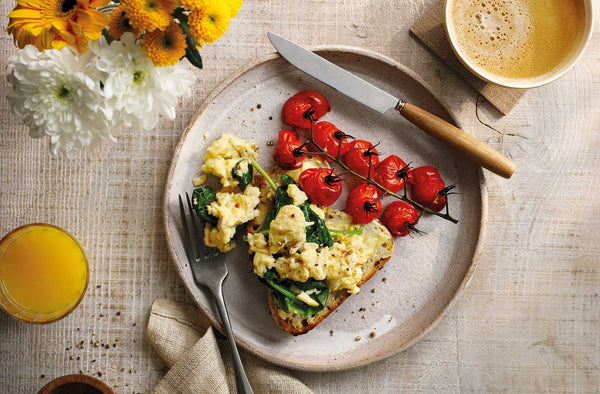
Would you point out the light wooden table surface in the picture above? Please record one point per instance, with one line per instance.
(527, 323)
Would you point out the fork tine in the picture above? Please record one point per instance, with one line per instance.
(189, 246)
(197, 240)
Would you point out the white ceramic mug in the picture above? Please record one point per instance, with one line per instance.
(525, 82)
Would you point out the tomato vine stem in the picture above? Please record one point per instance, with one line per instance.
(368, 179)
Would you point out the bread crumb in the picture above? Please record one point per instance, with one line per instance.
(373, 333)
(358, 338)
(331, 333)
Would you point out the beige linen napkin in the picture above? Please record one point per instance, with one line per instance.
(429, 29)
(198, 362)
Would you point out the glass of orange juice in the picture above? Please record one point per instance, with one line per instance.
(43, 273)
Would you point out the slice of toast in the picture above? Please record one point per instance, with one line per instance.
(296, 324)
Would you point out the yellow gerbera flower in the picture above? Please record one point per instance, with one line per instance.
(165, 47)
(56, 23)
(209, 23)
(119, 23)
(234, 6)
(149, 15)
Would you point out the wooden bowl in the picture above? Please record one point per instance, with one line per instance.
(76, 384)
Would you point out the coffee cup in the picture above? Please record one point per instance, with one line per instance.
(519, 43)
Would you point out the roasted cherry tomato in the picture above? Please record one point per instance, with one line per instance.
(289, 152)
(295, 107)
(321, 185)
(363, 203)
(360, 153)
(400, 218)
(428, 188)
(330, 138)
(391, 173)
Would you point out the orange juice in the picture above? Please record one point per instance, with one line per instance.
(43, 273)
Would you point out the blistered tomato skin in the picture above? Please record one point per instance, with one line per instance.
(360, 153)
(321, 185)
(295, 107)
(391, 173)
(363, 203)
(331, 139)
(400, 218)
(289, 152)
(426, 185)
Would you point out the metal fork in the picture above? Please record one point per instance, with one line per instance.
(209, 267)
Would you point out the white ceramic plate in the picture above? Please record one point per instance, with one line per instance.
(426, 273)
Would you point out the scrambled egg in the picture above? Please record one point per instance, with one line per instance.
(223, 155)
(340, 265)
(297, 195)
(286, 233)
(232, 209)
(284, 247)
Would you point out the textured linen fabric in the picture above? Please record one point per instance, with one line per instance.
(199, 362)
(429, 29)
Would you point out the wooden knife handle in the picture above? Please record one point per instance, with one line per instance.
(476, 150)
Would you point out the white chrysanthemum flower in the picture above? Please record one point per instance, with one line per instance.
(57, 98)
(136, 90)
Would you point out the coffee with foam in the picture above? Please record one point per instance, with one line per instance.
(515, 40)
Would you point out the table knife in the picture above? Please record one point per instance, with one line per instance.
(381, 101)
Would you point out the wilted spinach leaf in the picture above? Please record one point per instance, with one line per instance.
(201, 197)
(287, 298)
(281, 195)
(317, 232)
(243, 178)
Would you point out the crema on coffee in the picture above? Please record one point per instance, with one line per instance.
(516, 39)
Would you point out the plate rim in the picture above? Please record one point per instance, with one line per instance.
(338, 366)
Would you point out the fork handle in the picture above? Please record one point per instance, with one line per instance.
(241, 380)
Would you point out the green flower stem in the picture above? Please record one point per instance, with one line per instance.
(262, 172)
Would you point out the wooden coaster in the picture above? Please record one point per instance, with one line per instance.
(429, 29)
